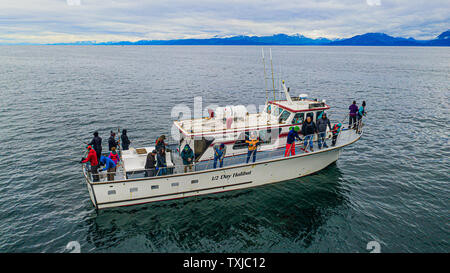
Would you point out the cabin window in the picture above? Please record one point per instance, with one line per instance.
(240, 142)
(280, 110)
(319, 115)
(175, 184)
(284, 116)
(265, 136)
(275, 111)
(316, 105)
(133, 189)
(298, 118)
(200, 146)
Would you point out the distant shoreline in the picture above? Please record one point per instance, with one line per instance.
(368, 39)
(96, 45)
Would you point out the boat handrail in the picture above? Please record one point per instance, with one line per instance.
(179, 169)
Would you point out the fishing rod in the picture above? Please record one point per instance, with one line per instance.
(79, 139)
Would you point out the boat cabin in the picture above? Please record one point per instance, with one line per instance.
(233, 125)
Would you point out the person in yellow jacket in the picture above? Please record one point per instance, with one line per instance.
(253, 143)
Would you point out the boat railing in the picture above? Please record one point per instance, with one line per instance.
(233, 160)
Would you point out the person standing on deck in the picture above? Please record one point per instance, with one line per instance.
(219, 154)
(253, 143)
(352, 115)
(125, 141)
(308, 130)
(336, 129)
(112, 141)
(161, 161)
(114, 157)
(290, 142)
(92, 158)
(160, 143)
(150, 164)
(110, 166)
(96, 142)
(361, 113)
(322, 128)
(188, 157)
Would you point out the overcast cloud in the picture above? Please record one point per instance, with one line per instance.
(49, 21)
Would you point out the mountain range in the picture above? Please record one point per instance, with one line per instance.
(368, 39)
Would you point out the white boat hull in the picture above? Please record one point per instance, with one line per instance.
(145, 190)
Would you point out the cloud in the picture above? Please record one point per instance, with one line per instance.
(373, 2)
(73, 2)
(50, 21)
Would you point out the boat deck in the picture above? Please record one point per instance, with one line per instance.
(206, 125)
(345, 137)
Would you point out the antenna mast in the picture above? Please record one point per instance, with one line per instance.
(265, 77)
(273, 81)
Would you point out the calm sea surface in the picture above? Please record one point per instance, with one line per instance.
(392, 186)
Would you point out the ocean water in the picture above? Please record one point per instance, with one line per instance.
(392, 186)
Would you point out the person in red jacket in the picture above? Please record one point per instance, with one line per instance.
(92, 158)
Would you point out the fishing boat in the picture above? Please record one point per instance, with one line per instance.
(231, 126)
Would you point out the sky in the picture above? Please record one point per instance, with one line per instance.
(55, 21)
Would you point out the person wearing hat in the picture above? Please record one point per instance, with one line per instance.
(160, 142)
(110, 167)
(92, 159)
(112, 141)
(114, 155)
(290, 142)
(336, 129)
(125, 141)
(252, 143)
(219, 154)
(322, 124)
(188, 157)
(352, 115)
(150, 164)
(97, 144)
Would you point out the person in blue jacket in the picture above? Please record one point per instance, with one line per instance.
(161, 162)
(110, 166)
(219, 154)
(290, 142)
(188, 157)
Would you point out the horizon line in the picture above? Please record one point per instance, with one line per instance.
(326, 42)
